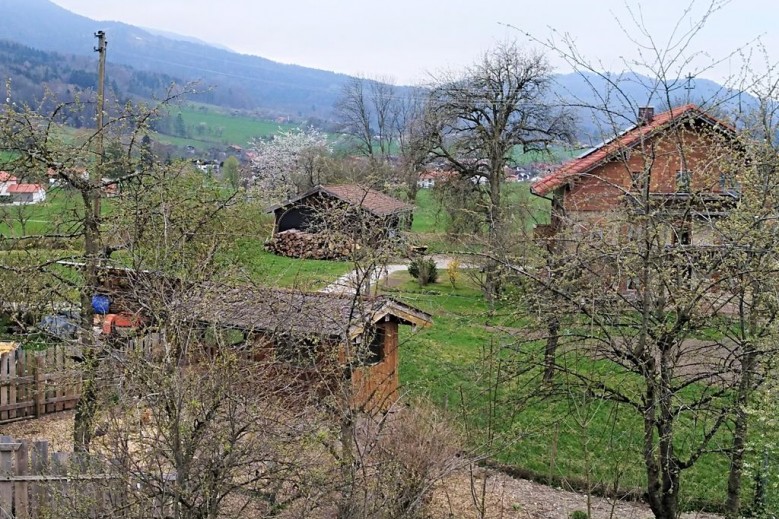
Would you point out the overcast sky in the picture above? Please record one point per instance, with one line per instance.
(408, 39)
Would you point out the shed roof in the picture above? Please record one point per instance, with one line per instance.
(627, 139)
(294, 312)
(364, 197)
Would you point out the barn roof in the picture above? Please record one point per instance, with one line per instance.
(627, 139)
(294, 312)
(274, 310)
(364, 197)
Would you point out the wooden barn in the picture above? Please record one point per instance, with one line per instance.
(327, 221)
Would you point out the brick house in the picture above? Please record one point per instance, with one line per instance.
(681, 161)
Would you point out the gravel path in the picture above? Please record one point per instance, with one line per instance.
(347, 283)
(507, 497)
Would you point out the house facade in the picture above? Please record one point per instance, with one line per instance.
(12, 192)
(677, 165)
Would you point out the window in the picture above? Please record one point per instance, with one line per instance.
(682, 234)
(683, 179)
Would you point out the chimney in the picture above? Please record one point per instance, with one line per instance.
(646, 114)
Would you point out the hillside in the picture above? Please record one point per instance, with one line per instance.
(142, 63)
(241, 81)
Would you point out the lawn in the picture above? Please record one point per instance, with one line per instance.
(268, 269)
(208, 127)
(575, 437)
(431, 219)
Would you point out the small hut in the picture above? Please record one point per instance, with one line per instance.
(327, 221)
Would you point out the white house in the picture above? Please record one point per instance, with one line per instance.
(11, 192)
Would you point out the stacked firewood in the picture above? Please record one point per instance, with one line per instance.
(299, 244)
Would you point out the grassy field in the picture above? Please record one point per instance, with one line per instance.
(61, 212)
(431, 220)
(208, 127)
(576, 437)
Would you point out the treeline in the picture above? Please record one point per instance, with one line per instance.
(32, 74)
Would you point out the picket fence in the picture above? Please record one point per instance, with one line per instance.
(33, 384)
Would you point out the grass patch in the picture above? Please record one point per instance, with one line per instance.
(574, 437)
(208, 126)
(431, 220)
(272, 270)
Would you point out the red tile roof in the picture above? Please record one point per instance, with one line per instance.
(24, 188)
(7, 177)
(626, 139)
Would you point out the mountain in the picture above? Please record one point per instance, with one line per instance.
(240, 81)
(143, 62)
(620, 94)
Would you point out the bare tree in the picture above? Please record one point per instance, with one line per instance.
(683, 249)
(477, 120)
(369, 112)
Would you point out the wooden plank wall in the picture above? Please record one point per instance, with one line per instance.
(33, 384)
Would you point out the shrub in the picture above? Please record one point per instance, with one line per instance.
(453, 270)
(579, 514)
(423, 270)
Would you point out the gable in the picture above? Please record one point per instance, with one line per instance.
(593, 163)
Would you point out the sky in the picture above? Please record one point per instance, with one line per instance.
(410, 41)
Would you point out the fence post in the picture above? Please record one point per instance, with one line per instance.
(40, 386)
(7, 470)
(12, 383)
(21, 495)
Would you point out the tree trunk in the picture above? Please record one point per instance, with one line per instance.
(86, 408)
(733, 503)
(550, 352)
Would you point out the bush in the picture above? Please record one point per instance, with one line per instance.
(579, 514)
(423, 270)
(453, 270)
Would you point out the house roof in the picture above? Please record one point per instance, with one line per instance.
(24, 188)
(294, 312)
(7, 177)
(627, 139)
(366, 198)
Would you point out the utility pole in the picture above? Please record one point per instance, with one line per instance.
(689, 86)
(86, 407)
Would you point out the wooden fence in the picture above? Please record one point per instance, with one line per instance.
(37, 484)
(33, 384)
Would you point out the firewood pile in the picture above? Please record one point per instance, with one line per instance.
(299, 244)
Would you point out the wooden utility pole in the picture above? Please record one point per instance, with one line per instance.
(86, 408)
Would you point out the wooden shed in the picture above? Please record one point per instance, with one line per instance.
(344, 343)
(321, 336)
(326, 221)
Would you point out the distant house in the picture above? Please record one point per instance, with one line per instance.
(428, 179)
(11, 192)
(325, 221)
